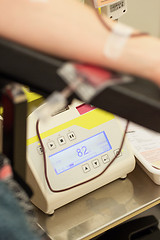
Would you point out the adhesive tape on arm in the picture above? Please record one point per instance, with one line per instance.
(116, 41)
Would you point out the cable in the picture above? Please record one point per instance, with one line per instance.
(79, 184)
(106, 25)
(66, 92)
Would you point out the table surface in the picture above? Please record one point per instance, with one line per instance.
(102, 209)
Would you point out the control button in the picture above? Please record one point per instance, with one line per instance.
(71, 136)
(40, 150)
(51, 145)
(61, 140)
(105, 158)
(95, 163)
(86, 168)
(116, 151)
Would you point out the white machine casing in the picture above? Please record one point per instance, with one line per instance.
(64, 133)
(114, 9)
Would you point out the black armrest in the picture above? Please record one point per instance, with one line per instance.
(137, 101)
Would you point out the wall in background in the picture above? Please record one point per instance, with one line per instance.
(143, 15)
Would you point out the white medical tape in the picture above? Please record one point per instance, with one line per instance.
(116, 41)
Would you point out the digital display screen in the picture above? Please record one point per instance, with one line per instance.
(80, 152)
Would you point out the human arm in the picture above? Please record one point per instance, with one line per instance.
(67, 29)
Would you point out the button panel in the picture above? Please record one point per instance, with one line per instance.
(116, 151)
(71, 136)
(39, 149)
(95, 163)
(61, 140)
(51, 145)
(86, 168)
(105, 158)
(90, 165)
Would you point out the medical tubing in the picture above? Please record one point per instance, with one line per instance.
(79, 184)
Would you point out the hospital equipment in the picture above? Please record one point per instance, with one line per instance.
(79, 144)
(114, 9)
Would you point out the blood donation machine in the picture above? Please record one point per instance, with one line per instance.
(70, 154)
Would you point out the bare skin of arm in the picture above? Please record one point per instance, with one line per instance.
(68, 29)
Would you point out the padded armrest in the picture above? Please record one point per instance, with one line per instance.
(137, 100)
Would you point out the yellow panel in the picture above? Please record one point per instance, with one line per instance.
(31, 96)
(88, 120)
(1, 110)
